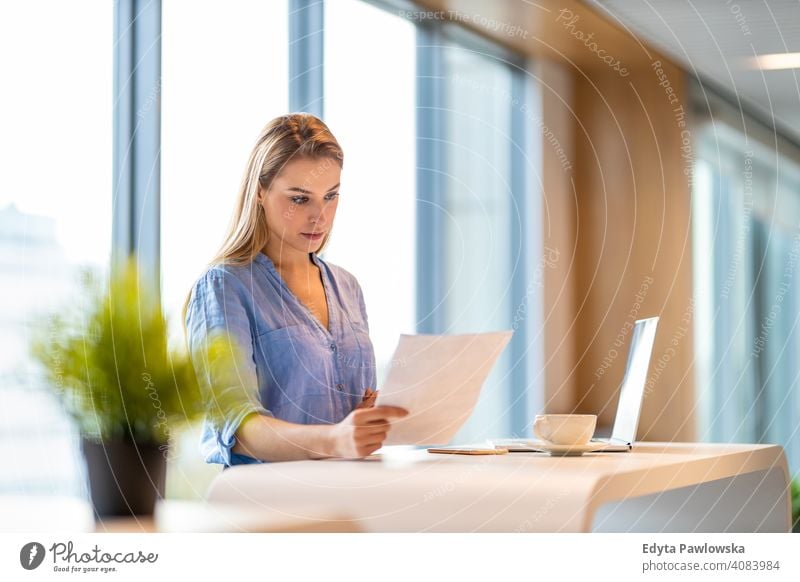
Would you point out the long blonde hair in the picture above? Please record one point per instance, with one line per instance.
(285, 138)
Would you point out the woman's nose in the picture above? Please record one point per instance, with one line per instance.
(320, 213)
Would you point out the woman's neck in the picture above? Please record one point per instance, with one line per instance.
(290, 264)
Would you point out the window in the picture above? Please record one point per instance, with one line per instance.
(55, 214)
(369, 107)
(224, 76)
(477, 217)
(747, 210)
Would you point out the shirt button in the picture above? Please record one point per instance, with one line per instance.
(340, 387)
(333, 347)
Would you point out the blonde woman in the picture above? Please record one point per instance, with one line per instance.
(301, 387)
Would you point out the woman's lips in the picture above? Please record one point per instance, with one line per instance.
(310, 236)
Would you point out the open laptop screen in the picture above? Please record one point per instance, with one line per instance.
(630, 396)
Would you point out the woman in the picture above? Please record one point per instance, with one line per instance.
(300, 383)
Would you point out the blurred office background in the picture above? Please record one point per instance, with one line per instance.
(559, 169)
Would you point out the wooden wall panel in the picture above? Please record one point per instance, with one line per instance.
(559, 212)
(634, 243)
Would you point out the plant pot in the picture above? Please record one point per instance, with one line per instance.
(125, 478)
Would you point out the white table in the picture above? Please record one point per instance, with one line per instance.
(658, 487)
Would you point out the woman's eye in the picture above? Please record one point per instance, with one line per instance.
(303, 199)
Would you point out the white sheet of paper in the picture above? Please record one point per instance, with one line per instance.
(438, 379)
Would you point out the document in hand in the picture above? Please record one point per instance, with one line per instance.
(438, 379)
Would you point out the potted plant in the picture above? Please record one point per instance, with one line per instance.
(108, 361)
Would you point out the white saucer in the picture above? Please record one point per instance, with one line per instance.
(553, 450)
(568, 450)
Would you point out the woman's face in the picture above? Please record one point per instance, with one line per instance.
(301, 202)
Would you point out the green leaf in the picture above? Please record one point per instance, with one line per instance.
(108, 361)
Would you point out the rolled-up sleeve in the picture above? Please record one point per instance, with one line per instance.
(220, 342)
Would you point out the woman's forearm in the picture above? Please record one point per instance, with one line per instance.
(271, 439)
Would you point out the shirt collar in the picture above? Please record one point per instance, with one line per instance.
(262, 258)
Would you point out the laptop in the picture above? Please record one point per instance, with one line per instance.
(626, 421)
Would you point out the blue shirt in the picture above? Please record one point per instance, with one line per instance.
(290, 366)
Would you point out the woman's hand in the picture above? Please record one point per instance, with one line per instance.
(369, 399)
(363, 431)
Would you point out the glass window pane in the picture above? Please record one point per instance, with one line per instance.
(369, 107)
(477, 218)
(224, 76)
(747, 212)
(55, 213)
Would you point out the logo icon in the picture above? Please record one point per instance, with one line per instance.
(31, 555)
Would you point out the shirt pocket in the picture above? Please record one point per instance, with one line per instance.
(360, 331)
(366, 353)
(296, 384)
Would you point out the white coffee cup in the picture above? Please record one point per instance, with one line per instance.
(565, 429)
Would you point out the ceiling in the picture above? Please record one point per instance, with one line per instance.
(713, 39)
